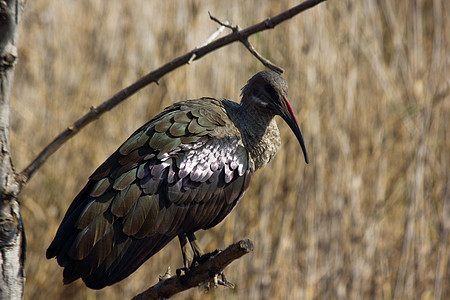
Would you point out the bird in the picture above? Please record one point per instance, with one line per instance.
(182, 171)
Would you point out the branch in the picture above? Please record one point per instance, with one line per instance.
(154, 76)
(246, 42)
(205, 272)
(262, 59)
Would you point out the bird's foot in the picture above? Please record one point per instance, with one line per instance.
(222, 281)
(200, 259)
(219, 279)
(195, 261)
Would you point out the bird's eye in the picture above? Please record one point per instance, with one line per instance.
(271, 91)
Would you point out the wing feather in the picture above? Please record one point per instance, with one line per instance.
(134, 219)
(124, 200)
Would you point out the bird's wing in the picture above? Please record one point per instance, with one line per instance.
(175, 174)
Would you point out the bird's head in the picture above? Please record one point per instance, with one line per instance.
(269, 90)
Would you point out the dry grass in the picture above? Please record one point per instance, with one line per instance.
(367, 218)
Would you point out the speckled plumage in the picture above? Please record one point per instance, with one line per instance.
(181, 172)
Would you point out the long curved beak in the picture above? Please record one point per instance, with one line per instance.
(288, 115)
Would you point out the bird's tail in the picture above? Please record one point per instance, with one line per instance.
(114, 257)
(113, 270)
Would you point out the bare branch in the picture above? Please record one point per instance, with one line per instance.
(204, 272)
(154, 76)
(246, 42)
(261, 58)
(224, 24)
(209, 40)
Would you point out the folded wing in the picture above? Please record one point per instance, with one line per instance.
(181, 172)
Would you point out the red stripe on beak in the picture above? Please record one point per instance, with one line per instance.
(288, 115)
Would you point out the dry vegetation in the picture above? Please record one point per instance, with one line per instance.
(367, 218)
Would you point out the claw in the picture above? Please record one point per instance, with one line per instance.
(166, 275)
(216, 281)
(222, 281)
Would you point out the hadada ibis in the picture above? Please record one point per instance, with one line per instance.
(182, 171)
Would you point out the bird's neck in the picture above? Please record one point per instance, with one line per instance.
(259, 131)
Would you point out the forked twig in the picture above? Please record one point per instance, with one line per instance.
(210, 38)
(248, 45)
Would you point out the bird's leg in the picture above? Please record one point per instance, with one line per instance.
(198, 252)
(187, 254)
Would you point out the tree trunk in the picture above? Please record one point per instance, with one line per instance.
(12, 236)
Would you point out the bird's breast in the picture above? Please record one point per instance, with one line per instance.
(263, 146)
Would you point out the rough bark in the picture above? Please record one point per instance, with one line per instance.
(12, 237)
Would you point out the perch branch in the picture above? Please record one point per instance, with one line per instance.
(204, 272)
(154, 76)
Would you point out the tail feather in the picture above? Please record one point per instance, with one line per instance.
(113, 258)
(65, 234)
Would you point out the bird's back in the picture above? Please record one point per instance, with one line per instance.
(181, 172)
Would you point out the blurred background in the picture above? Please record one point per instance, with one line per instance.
(369, 217)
